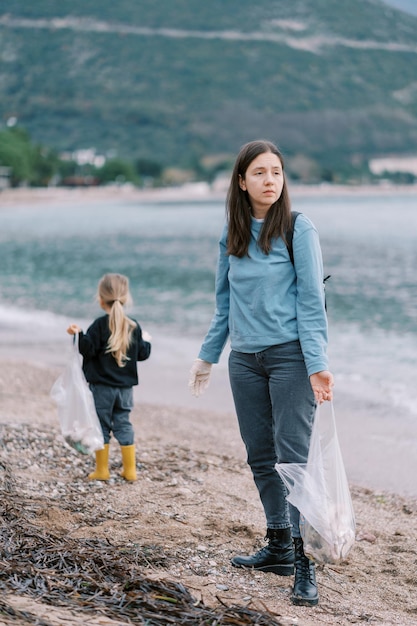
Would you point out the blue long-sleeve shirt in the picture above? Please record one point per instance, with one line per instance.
(263, 300)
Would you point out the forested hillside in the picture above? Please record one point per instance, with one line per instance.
(175, 81)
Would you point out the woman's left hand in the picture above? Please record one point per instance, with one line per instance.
(322, 384)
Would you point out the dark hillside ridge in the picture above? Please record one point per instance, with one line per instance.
(179, 79)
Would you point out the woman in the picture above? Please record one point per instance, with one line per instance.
(274, 312)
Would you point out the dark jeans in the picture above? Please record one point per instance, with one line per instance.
(113, 406)
(275, 407)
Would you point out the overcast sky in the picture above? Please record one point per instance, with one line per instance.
(410, 6)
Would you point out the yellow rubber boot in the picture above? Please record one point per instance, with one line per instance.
(129, 462)
(102, 465)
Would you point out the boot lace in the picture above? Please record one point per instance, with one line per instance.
(304, 569)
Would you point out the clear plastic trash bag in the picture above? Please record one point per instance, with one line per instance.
(79, 422)
(320, 491)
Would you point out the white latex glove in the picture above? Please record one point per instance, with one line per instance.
(199, 377)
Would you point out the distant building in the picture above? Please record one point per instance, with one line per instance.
(394, 164)
(5, 173)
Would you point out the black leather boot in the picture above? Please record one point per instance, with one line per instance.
(305, 587)
(276, 557)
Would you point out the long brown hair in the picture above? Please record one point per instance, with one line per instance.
(278, 219)
(113, 290)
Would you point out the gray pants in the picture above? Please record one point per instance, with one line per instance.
(113, 406)
(275, 407)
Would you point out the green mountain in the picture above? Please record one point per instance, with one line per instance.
(178, 80)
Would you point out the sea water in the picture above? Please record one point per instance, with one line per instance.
(51, 258)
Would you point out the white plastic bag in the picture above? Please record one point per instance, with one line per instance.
(80, 425)
(320, 491)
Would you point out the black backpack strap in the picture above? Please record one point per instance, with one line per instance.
(288, 237)
(290, 233)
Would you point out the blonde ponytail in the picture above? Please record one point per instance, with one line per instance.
(113, 291)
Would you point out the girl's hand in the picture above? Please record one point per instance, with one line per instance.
(73, 329)
(322, 384)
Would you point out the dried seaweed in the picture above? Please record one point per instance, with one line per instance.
(95, 575)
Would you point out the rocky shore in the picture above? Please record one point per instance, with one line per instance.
(193, 507)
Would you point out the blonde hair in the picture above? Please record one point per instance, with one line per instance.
(113, 290)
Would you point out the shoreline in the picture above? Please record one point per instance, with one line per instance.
(376, 430)
(378, 453)
(24, 376)
(187, 193)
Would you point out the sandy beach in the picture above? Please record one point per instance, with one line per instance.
(194, 503)
(194, 191)
(195, 500)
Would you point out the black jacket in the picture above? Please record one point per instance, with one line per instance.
(99, 366)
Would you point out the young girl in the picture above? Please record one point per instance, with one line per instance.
(111, 347)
